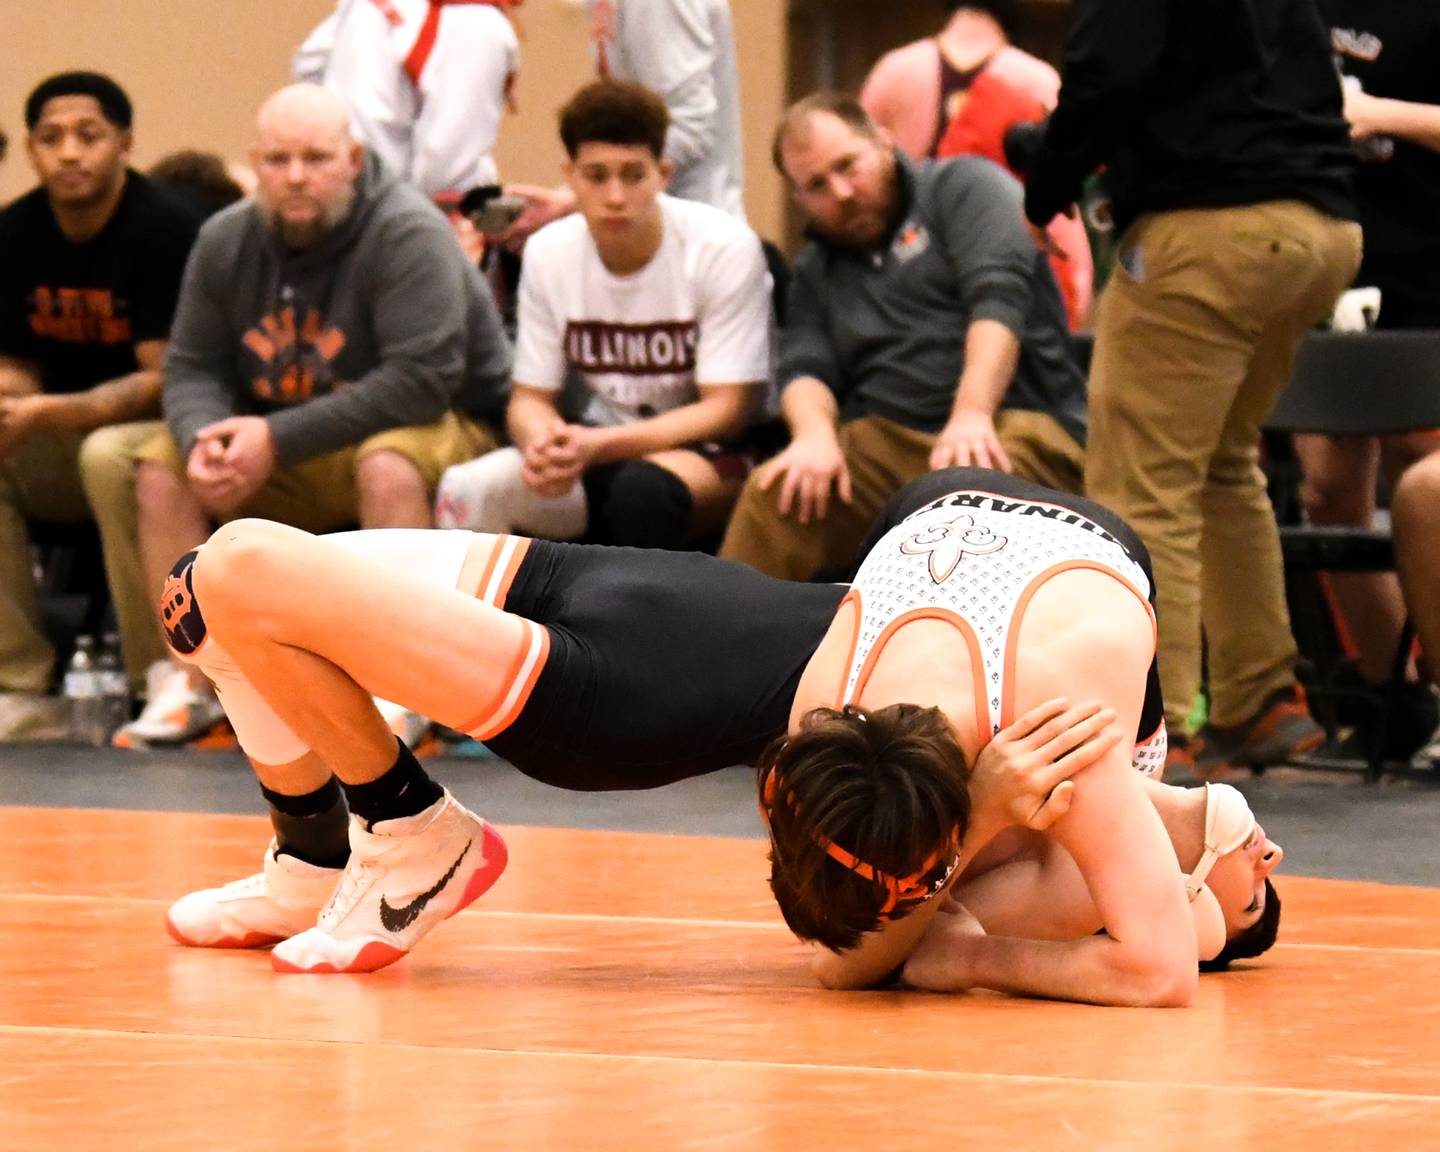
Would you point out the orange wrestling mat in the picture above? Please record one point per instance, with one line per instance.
(636, 992)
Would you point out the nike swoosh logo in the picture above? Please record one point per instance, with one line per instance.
(398, 919)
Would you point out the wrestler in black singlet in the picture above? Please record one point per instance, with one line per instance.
(662, 665)
(667, 665)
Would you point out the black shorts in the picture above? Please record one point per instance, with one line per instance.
(918, 493)
(662, 665)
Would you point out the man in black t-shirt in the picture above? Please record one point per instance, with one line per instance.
(91, 268)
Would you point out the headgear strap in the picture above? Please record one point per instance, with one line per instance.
(901, 892)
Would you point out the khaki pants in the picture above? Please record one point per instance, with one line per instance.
(1195, 336)
(40, 480)
(882, 457)
(318, 495)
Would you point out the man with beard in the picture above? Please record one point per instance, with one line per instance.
(924, 331)
(333, 354)
(92, 265)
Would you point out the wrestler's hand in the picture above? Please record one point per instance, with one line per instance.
(938, 963)
(1023, 775)
(969, 440)
(807, 469)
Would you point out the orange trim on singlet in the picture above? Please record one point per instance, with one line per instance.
(1012, 641)
(491, 721)
(502, 593)
(851, 599)
(945, 615)
(489, 569)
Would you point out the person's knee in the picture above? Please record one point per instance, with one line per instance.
(646, 507)
(232, 574)
(159, 491)
(106, 461)
(1416, 501)
(1337, 495)
(387, 473)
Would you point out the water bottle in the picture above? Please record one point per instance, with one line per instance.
(113, 686)
(82, 693)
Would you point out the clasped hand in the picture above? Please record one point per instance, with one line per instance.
(230, 462)
(552, 463)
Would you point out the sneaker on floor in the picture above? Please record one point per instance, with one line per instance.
(415, 731)
(174, 713)
(1281, 731)
(272, 905)
(31, 716)
(404, 877)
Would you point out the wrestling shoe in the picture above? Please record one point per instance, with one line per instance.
(272, 905)
(174, 713)
(404, 877)
(1281, 731)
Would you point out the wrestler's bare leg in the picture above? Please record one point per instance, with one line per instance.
(299, 634)
(319, 631)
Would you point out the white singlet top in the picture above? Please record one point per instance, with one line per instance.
(974, 559)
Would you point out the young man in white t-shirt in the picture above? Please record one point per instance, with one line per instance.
(656, 313)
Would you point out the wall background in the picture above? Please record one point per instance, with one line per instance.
(197, 71)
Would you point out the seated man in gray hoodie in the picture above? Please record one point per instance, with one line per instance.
(333, 353)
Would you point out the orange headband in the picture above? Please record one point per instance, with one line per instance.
(900, 891)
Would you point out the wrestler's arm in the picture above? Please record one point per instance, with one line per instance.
(880, 953)
(1039, 895)
(1036, 890)
(1147, 956)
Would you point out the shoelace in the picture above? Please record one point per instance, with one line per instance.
(355, 881)
(250, 886)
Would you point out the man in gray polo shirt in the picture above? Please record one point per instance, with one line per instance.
(925, 331)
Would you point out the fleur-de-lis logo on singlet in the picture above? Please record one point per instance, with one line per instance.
(949, 543)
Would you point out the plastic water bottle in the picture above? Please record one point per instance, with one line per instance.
(113, 686)
(82, 692)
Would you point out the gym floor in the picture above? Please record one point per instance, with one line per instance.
(628, 984)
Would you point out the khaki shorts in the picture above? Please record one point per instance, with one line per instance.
(320, 494)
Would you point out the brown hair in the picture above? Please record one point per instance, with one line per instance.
(846, 107)
(614, 112)
(886, 789)
(1252, 941)
(200, 177)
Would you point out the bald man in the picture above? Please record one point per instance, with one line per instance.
(333, 353)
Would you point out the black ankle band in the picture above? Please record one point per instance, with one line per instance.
(314, 827)
(404, 790)
(310, 804)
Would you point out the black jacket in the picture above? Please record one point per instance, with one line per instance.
(1196, 105)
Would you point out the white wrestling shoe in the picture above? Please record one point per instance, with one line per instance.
(272, 905)
(404, 877)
